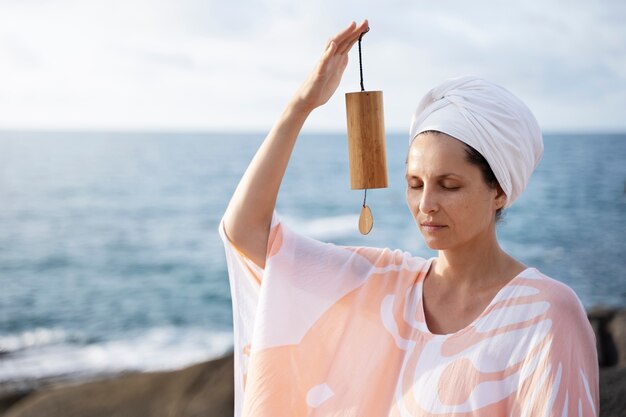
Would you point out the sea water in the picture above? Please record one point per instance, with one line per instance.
(110, 258)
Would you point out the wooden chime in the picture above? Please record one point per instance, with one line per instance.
(366, 144)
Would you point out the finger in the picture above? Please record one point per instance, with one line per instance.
(327, 44)
(330, 50)
(345, 48)
(346, 40)
(340, 37)
(326, 56)
(347, 44)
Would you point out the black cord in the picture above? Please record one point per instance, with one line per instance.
(362, 87)
(360, 61)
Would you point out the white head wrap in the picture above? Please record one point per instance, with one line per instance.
(491, 120)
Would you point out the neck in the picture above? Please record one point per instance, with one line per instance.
(476, 264)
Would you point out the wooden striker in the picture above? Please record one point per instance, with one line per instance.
(366, 140)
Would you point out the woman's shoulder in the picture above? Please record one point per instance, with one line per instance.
(288, 242)
(560, 296)
(387, 257)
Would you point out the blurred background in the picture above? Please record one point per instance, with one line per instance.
(126, 125)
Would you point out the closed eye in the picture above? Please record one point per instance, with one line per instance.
(420, 186)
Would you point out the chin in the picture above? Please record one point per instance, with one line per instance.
(434, 244)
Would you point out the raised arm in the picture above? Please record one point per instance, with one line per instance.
(249, 214)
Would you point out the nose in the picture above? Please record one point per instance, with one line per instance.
(428, 202)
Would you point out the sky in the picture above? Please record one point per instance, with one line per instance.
(215, 65)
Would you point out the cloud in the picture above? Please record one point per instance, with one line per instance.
(193, 64)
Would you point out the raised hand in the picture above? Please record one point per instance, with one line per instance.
(324, 79)
(249, 213)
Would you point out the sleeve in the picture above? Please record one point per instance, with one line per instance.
(302, 276)
(245, 280)
(565, 381)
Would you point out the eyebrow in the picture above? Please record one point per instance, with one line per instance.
(446, 175)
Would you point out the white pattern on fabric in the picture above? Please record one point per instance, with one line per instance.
(327, 330)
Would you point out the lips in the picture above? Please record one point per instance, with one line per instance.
(432, 227)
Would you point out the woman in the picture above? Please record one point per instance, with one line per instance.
(331, 330)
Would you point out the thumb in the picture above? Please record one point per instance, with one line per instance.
(330, 50)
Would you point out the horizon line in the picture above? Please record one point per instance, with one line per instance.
(304, 131)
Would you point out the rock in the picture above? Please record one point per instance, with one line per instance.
(609, 325)
(600, 317)
(613, 392)
(8, 400)
(205, 389)
(617, 329)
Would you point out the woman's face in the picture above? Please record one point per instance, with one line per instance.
(450, 202)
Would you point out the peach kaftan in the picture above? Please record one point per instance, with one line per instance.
(327, 330)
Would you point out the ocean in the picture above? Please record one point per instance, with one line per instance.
(110, 258)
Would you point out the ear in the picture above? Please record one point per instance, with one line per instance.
(500, 198)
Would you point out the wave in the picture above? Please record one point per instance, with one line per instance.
(32, 339)
(43, 353)
(322, 228)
